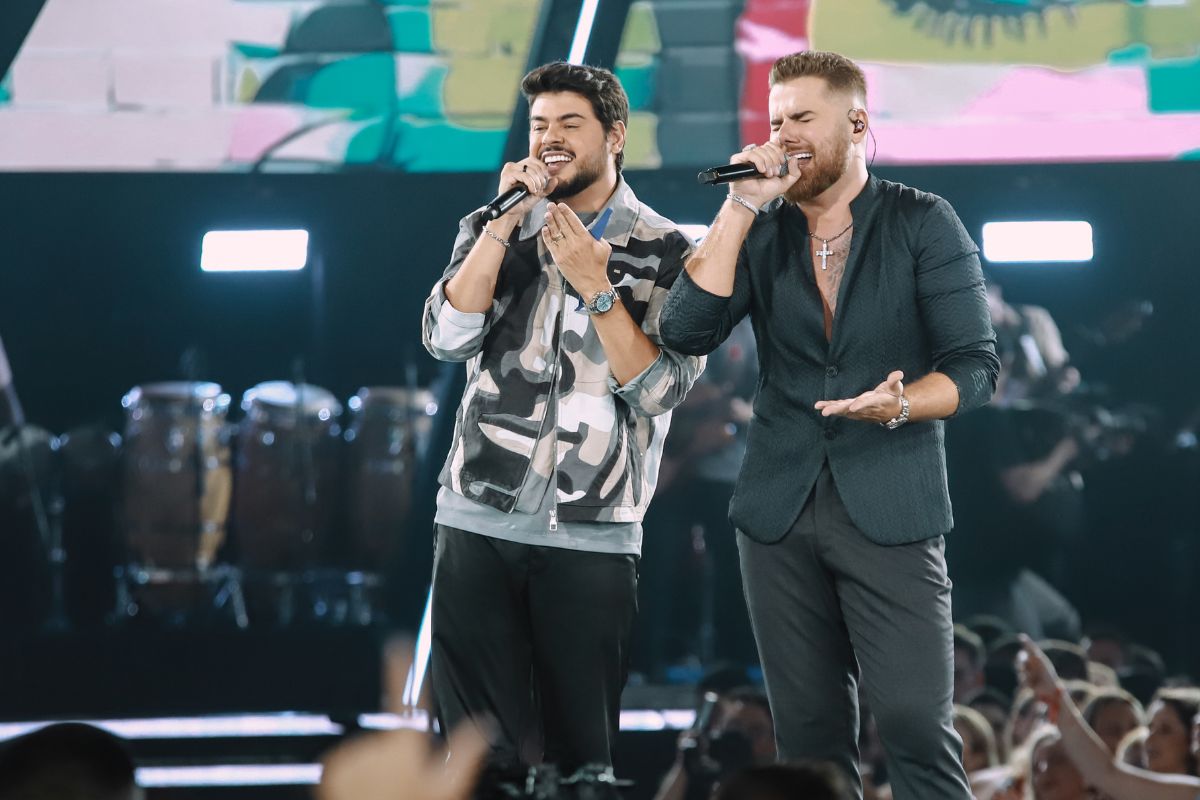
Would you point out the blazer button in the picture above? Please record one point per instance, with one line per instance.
(830, 433)
(831, 371)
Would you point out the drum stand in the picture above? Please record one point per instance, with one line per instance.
(47, 520)
(330, 596)
(223, 583)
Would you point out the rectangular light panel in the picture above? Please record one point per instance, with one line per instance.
(1037, 242)
(254, 251)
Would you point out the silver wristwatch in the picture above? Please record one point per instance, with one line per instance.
(899, 419)
(602, 301)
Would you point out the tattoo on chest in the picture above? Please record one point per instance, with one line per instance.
(829, 280)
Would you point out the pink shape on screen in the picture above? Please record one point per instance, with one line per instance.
(1028, 91)
(1148, 137)
(258, 127)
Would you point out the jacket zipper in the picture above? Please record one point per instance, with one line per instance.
(553, 527)
(562, 311)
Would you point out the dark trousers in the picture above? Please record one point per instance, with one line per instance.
(536, 639)
(826, 600)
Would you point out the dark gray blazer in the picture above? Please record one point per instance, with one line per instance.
(912, 299)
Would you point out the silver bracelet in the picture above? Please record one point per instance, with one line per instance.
(744, 203)
(494, 236)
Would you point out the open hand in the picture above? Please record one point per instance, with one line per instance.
(403, 764)
(878, 405)
(582, 259)
(1036, 671)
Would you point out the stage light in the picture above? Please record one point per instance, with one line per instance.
(254, 251)
(230, 726)
(421, 651)
(583, 31)
(1037, 242)
(417, 720)
(229, 775)
(694, 232)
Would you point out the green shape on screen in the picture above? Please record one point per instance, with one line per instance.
(638, 73)
(412, 30)
(250, 50)
(1190, 155)
(1132, 55)
(6, 89)
(442, 147)
(641, 30)
(365, 144)
(360, 82)
(422, 97)
(1174, 86)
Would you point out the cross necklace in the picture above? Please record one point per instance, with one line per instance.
(825, 252)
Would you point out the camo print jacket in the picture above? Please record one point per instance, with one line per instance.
(540, 403)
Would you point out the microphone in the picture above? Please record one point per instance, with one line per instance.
(504, 201)
(729, 173)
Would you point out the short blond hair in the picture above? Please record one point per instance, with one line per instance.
(839, 73)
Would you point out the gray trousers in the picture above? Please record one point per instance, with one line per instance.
(825, 601)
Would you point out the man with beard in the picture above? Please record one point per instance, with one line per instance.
(868, 306)
(559, 432)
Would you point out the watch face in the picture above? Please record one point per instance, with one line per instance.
(603, 302)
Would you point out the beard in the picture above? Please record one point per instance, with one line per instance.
(587, 172)
(830, 163)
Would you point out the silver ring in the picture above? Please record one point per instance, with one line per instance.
(748, 148)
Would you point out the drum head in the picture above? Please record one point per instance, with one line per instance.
(204, 395)
(314, 401)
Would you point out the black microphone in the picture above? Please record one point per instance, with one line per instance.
(737, 172)
(504, 201)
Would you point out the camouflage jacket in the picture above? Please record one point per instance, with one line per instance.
(540, 403)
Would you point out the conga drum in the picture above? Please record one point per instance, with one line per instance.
(388, 427)
(175, 475)
(288, 464)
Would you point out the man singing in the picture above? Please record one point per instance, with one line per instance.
(559, 432)
(869, 310)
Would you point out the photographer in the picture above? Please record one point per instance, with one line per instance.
(733, 731)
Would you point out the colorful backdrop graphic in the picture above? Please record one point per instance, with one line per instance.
(431, 86)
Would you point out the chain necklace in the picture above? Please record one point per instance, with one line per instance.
(825, 252)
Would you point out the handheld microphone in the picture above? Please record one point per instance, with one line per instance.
(501, 203)
(729, 173)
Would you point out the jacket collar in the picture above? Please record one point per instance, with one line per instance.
(624, 205)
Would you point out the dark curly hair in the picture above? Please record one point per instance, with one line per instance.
(598, 85)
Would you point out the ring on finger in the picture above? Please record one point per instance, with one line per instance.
(558, 238)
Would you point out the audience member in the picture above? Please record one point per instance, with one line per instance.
(67, 761)
(1113, 713)
(1086, 750)
(994, 707)
(979, 743)
(1052, 775)
(803, 781)
(969, 657)
(1169, 745)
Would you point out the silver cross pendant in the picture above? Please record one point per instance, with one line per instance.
(824, 253)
